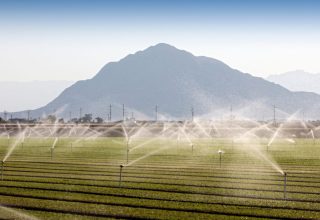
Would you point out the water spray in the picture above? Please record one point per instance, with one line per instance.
(120, 175)
(127, 151)
(178, 141)
(312, 134)
(53, 146)
(285, 185)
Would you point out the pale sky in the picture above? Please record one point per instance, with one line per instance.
(72, 40)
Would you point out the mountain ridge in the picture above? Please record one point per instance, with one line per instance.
(176, 80)
(297, 80)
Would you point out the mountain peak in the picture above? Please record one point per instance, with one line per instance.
(164, 48)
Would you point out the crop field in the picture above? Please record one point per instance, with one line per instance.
(162, 179)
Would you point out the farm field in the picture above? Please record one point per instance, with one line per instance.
(164, 179)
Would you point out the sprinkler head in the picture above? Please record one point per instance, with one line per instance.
(120, 175)
(285, 186)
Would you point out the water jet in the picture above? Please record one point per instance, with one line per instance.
(313, 138)
(127, 151)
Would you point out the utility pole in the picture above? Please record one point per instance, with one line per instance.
(192, 113)
(123, 112)
(5, 115)
(110, 113)
(156, 112)
(70, 116)
(80, 114)
(28, 115)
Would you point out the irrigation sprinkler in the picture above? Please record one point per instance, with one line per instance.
(285, 185)
(120, 175)
(192, 148)
(220, 157)
(71, 147)
(2, 169)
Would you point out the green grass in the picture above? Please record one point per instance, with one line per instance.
(82, 181)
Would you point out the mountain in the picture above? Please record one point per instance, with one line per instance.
(19, 96)
(298, 80)
(175, 80)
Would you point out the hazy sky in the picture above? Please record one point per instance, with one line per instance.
(71, 40)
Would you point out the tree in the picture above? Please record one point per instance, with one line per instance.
(87, 118)
(99, 120)
(74, 120)
(51, 118)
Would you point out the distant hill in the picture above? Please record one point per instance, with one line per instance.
(19, 96)
(298, 80)
(175, 80)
